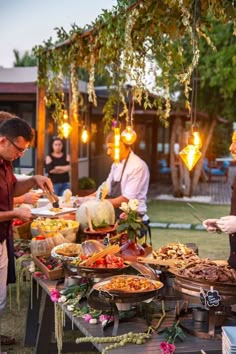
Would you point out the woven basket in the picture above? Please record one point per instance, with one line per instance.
(22, 231)
(69, 233)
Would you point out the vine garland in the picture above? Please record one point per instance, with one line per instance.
(131, 33)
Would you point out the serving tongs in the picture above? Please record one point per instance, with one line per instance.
(197, 216)
(53, 198)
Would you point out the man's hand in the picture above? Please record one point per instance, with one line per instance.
(31, 198)
(211, 225)
(227, 224)
(24, 214)
(41, 181)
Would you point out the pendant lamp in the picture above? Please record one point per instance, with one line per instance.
(85, 130)
(190, 154)
(129, 136)
(84, 135)
(65, 129)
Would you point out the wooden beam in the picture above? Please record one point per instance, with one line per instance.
(41, 130)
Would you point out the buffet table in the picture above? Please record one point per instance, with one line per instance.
(40, 325)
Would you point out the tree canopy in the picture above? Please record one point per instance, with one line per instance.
(164, 41)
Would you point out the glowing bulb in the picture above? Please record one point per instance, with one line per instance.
(84, 135)
(128, 136)
(65, 129)
(190, 156)
(116, 145)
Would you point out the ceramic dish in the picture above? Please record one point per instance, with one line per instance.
(46, 212)
(64, 246)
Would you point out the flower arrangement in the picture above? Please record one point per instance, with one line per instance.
(171, 334)
(130, 221)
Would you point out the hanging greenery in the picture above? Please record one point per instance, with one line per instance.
(149, 39)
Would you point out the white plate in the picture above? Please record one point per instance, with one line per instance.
(60, 256)
(46, 212)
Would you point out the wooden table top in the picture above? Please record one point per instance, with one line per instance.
(191, 344)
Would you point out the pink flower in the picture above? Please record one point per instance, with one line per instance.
(105, 318)
(87, 317)
(167, 348)
(54, 295)
(123, 216)
(37, 274)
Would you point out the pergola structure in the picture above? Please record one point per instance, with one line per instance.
(117, 45)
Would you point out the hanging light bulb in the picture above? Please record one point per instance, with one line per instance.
(190, 154)
(128, 136)
(85, 135)
(65, 129)
(117, 144)
(197, 138)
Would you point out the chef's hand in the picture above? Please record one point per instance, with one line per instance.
(227, 224)
(211, 225)
(41, 181)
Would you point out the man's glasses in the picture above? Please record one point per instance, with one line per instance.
(17, 147)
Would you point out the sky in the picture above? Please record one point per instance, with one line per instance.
(26, 23)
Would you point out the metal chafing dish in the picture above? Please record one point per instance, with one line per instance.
(194, 290)
(190, 288)
(117, 300)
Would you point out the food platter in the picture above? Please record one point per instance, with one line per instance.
(101, 271)
(69, 255)
(47, 212)
(127, 295)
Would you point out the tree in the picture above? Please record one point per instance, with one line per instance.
(26, 59)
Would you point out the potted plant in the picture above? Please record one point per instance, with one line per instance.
(87, 186)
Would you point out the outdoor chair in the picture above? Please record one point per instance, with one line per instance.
(221, 171)
(163, 167)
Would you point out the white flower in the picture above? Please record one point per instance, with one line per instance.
(31, 267)
(133, 204)
(124, 207)
(70, 307)
(62, 298)
(93, 321)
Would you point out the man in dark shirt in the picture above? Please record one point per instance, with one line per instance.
(15, 138)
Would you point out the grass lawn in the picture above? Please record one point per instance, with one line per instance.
(213, 246)
(180, 212)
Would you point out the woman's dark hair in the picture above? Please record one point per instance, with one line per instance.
(13, 127)
(55, 138)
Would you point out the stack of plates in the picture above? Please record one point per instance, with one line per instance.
(229, 340)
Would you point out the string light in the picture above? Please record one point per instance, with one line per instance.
(117, 144)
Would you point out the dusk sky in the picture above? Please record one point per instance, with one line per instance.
(26, 23)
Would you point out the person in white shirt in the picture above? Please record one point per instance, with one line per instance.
(128, 179)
